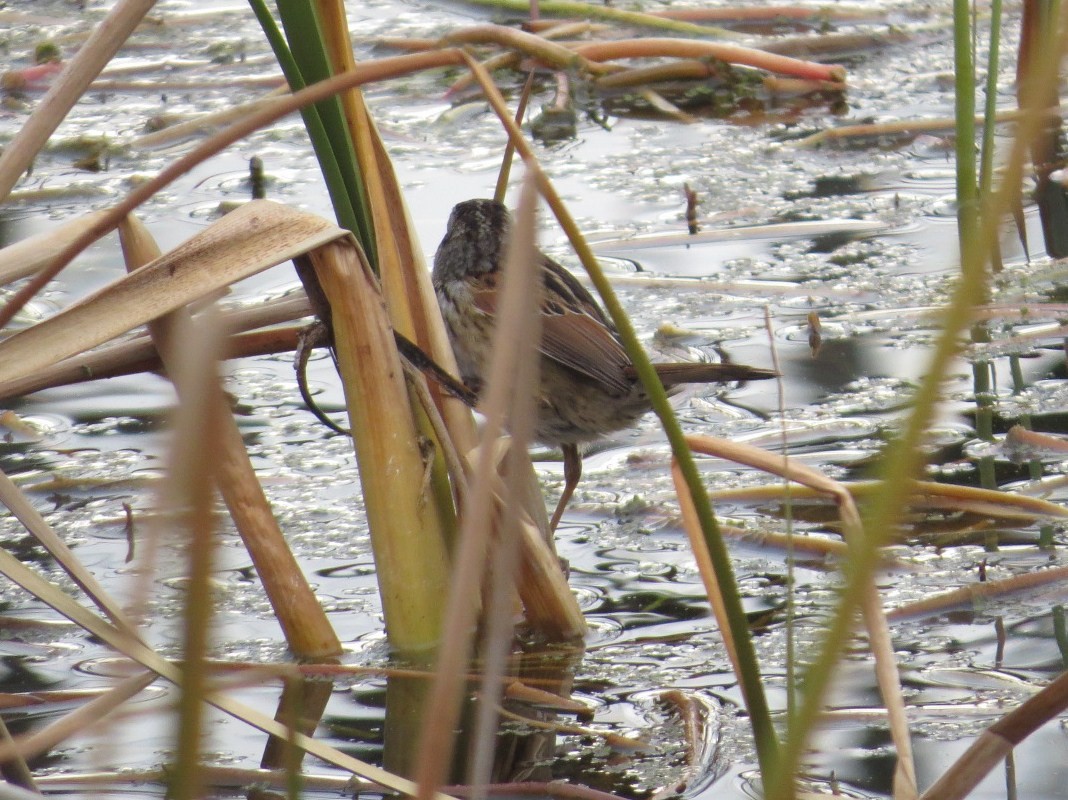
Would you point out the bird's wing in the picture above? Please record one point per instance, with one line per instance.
(575, 332)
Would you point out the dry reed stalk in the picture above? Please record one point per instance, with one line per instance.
(555, 55)
(405, 280)
(23, 510)
(138, 651)
(879, 639)
(77, 74)
(665, 106)
(34, 252)
(732, 54)
(512, 58)
(683, 70)
(980, 590)
(995, 743)
(548, 601)
(772, 14)
(155, 85)
(137, 355)
(307, 630)
(512, 344)
(13, 767)
(824, 46)
(909, 127)
(77, 721)
(515, 367)
(692, 526)
(187, 497)
(406, 527)
(203, 122)
(926, 494)
(587, 11)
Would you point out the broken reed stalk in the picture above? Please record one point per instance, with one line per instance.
(406, 528)
(307, 630)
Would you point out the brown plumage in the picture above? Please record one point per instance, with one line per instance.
(588, 384)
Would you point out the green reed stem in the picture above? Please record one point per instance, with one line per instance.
(904, 456)
(303, 60)
(984, 386)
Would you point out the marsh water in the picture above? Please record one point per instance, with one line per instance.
(861, 232)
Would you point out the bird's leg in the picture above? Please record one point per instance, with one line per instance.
(572, 473)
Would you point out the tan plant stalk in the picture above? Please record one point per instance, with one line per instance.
(23, 510)
(139, 652)
(27, 256)
(732, 54)
(406, 529)
(516, 367)
(77, 721)
(580, 10)
(308, 632)
(187, 498)
(509, 347)
(555, 55)
(402, 271)
(981, 590)
(998, 740)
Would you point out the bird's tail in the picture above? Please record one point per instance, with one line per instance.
(697, 372)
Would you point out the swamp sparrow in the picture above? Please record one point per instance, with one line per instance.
(588, 384)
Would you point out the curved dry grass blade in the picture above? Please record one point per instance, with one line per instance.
(256, 236)
(998, 741)
(879, 640)
(79, 72)
(374, 71)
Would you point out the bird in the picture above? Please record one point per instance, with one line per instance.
(588, 384)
